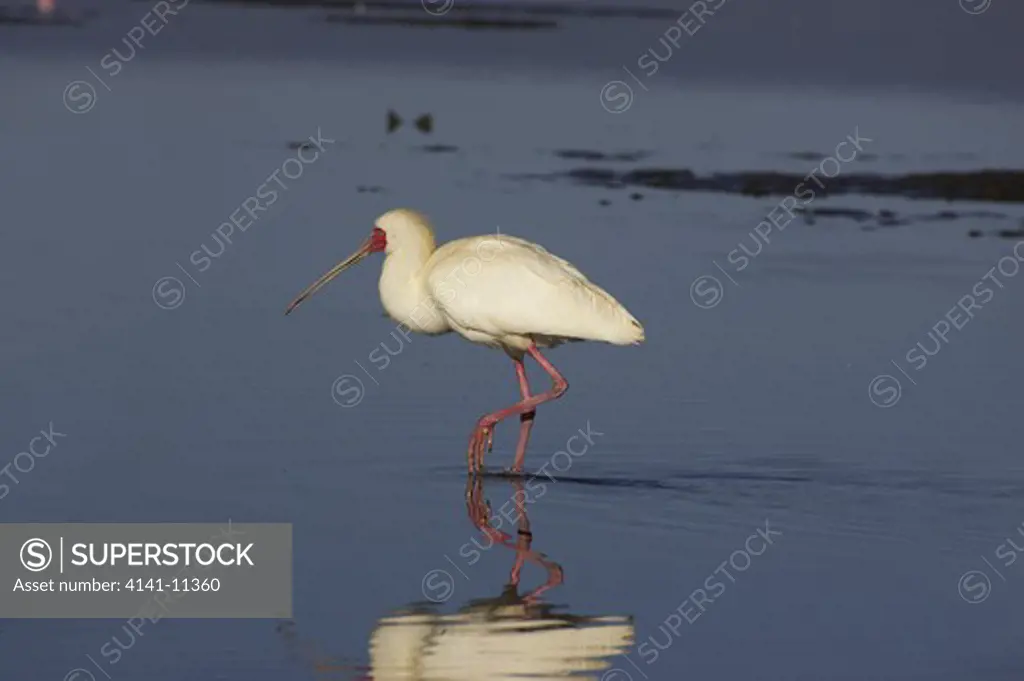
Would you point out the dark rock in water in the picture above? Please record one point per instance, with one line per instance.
(636, 196)
(887, 218)
(806, 156)
(604, 202)
(596, 176)
(815, 157)
(369, 190)
(946, 215)
(439, 148)
(445, 21)
(1001, 233)
(425, 123)
(587, 155)
(394, 121)
(824, 211)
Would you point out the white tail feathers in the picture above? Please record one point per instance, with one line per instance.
(628, 332)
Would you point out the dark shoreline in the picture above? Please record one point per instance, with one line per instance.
(428, 21)
(989, 185)
(462, 7)
(28, 15)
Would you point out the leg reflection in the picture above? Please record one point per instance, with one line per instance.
(479, 511)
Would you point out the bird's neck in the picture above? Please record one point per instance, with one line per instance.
(404, 293)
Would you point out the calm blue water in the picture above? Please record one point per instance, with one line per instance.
(752, 414)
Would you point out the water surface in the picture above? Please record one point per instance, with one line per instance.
(746, 417)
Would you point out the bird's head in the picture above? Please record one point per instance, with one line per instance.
(397, 230)
(406, 230)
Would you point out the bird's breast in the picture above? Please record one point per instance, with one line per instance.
(410, 304)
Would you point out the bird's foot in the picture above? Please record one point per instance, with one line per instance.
(481, 442)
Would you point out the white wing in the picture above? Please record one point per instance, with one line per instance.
(502, 287)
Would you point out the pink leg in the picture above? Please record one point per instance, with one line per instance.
(525, 419)
(483, 434)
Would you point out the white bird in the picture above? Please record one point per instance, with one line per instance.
(495, 290)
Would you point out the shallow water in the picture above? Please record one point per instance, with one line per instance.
(737, 423)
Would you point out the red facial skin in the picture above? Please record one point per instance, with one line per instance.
(378, 240)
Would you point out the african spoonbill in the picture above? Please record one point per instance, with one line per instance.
(495, 290)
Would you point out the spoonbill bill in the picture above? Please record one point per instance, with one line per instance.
(495, 290)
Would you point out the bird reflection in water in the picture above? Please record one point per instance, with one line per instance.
(510, 636)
